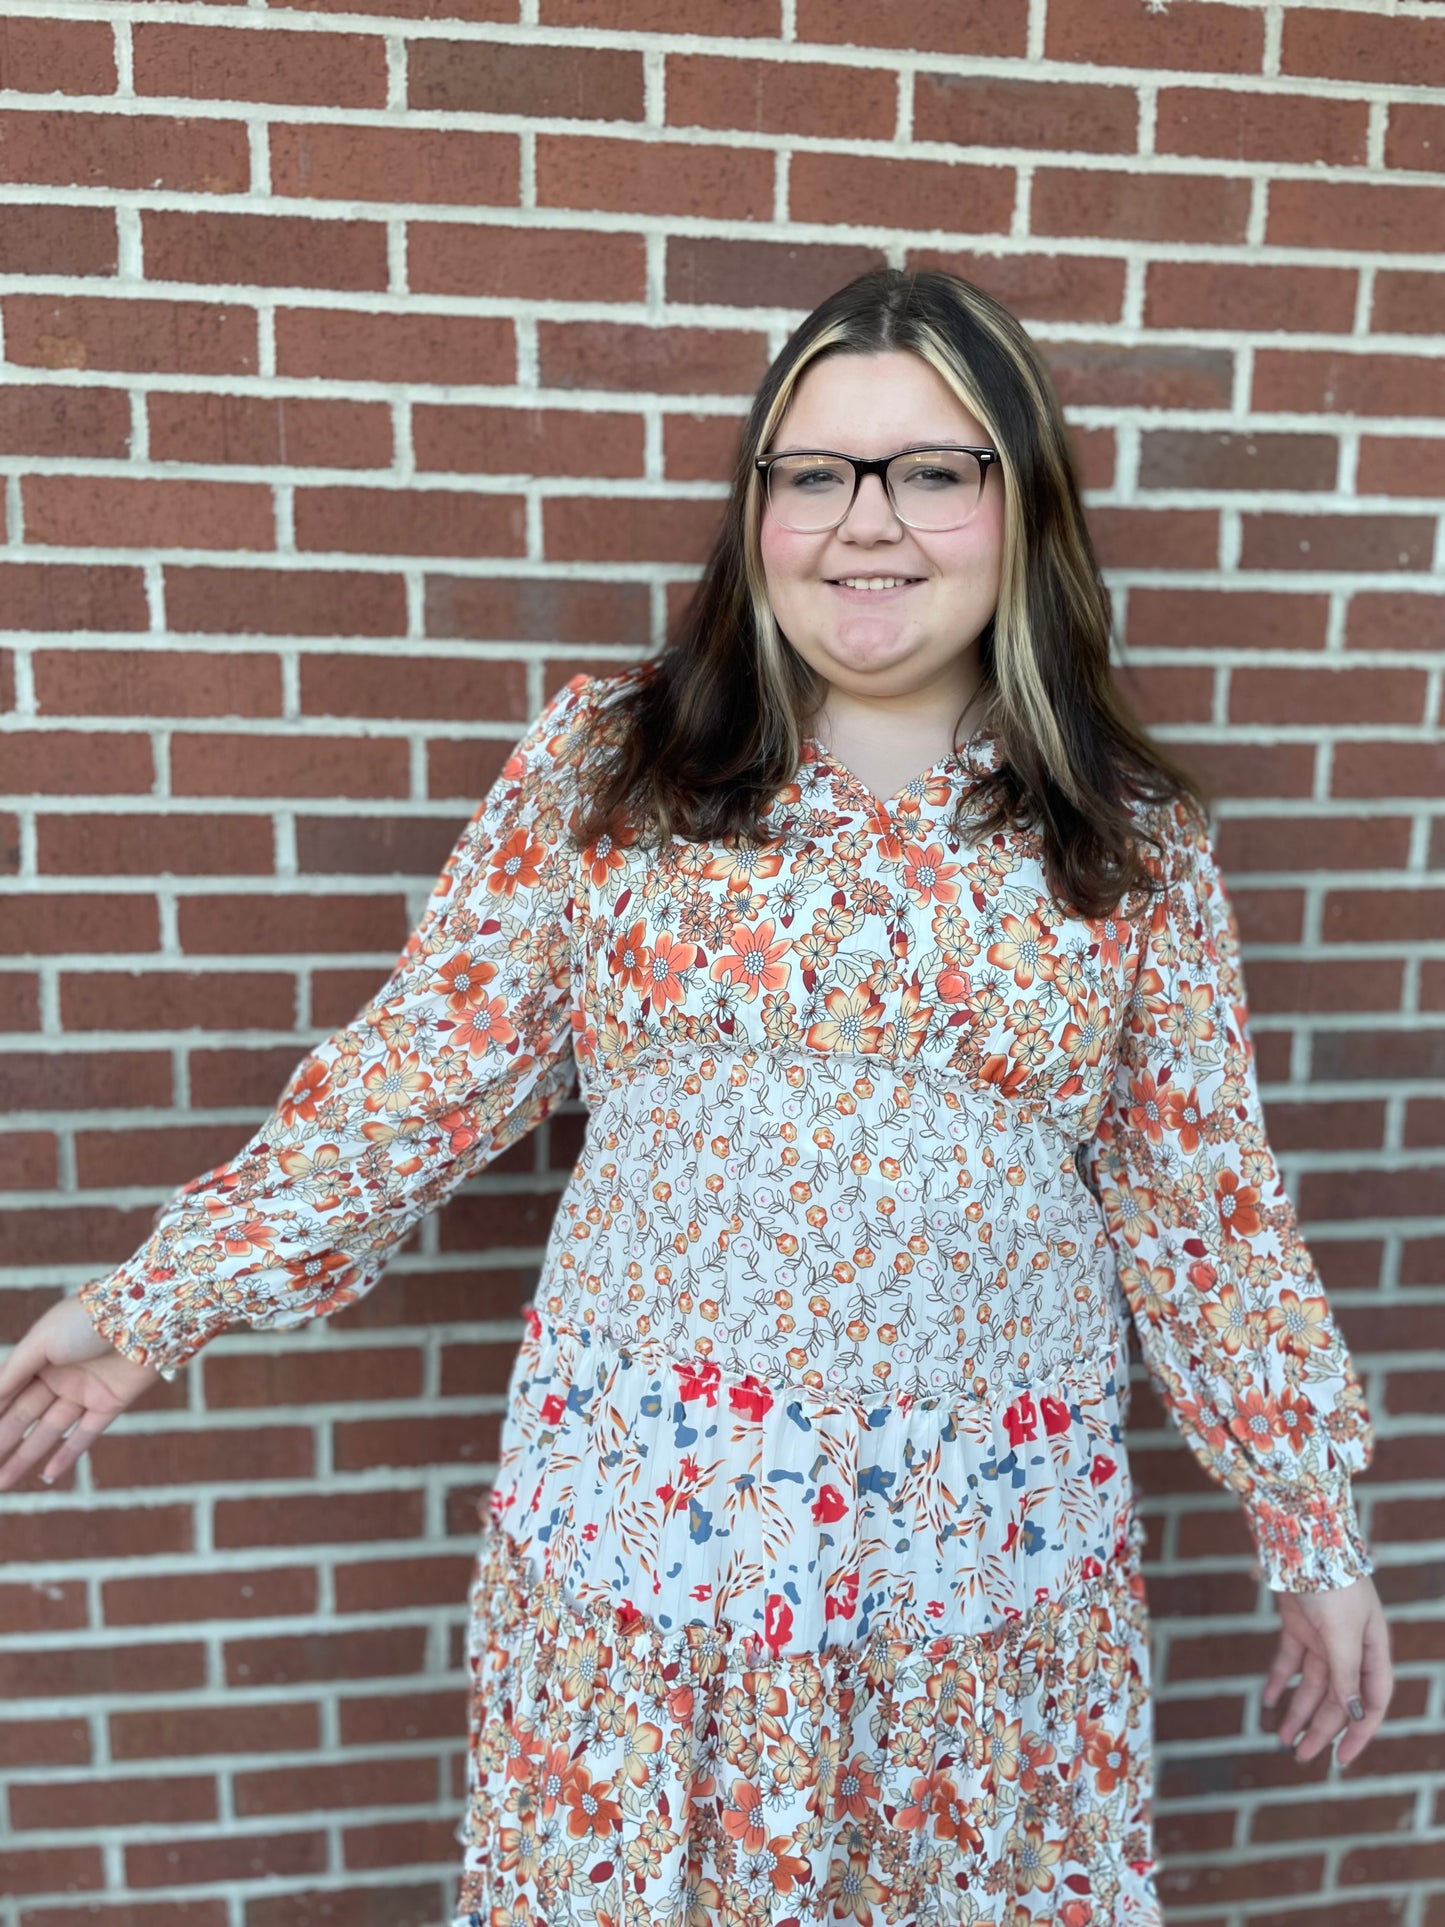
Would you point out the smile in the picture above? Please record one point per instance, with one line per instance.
(873, 584)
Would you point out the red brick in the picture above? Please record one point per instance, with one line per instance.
(57, 1742)
(29, 1161)
(1218, 459)
(150, 683)
(430, 687)
(381, 1782)
(1415, 136)
(399, 1843)
(284, 602)
(268, 250)
(70, 596)
(37, 1870)
(1036, 287)
(156, 1158)
(244, 765)
(493, 77)
(123, 152)
(45, 239)
(56, 56)
(53, 1234)
(54, 923)
(654, 177)
(1147, 375)
(1394, 619)
(901, 194)
(343, 69)
(1237, 125)
(1355, 1055)
(454, 257)
(1348, 384)
(796, 98)
(1333, 841)
(760, 274)
(387, 1719)
(117, 513)
(398, 164)
(1400, 465)
(527, 441)
(43, 1606)
(700, 448)
(743, 17)
(249, 926)
(154, 1666)
(50, 420)
(505, 10)
(1384, 916)
(164, 1732)
(390, 1585)
(300, 430)
(1407, 301)
(142, 337)
(202, 1859)
(361, 1654)
(995, 112)
(1362, 215)
(309, 1377)
(535, 609)
(1227, 618)
(270, 1452)
(415, 348)
(1388, 767)
(409, 521)
(173, 1000)
(1134, 538)
(614, 529)
(410, 846)
(1209, 294)
(1339, 696)
(1364, 543)
(1363, 47)
(75, 762)
(609, 354)
(1132, 206)
(1117, 33)
(1347, 1126)
(925, 26)
(152, 845)
(114, 1801)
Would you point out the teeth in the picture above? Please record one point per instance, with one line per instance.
(874, 581)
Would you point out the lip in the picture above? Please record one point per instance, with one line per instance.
(873, 595)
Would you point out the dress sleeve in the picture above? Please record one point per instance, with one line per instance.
(1231, 1315)
(463, 1049)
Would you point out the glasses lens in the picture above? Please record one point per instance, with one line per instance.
(935, 488)
(809, 492)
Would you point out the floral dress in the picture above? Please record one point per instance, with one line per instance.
(808, 1589)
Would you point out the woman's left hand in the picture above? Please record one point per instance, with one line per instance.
(1339, 1645)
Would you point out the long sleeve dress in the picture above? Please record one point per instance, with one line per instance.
(809, 1585)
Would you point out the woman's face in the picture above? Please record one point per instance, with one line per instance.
(900, 642)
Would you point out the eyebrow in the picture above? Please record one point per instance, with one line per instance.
(814, 448)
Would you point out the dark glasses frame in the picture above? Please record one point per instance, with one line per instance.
(878, 465)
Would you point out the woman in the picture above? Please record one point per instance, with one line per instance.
(904, 992)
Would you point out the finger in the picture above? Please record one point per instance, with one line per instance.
(1377, 1686)
(1286, 1664)
(41, 1440)
(19, 1367)
(36, 1398)
(1329, 1721)
(75, 1447)
(1344, 1646)
(1313, 1686)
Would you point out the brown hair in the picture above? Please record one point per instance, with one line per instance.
(711, 729)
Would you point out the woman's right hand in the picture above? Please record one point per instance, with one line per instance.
(60, 1387)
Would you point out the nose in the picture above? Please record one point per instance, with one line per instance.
(872, 516)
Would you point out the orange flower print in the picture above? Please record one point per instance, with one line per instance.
(603, 857)
(480, 1029)
(928, 878)
(582, 1663)
(631, 961)
(309, 1089)
(949, 1811)
(743, 866)
(394, 1085)
(1238, 1206)
(461, 981)
(1026, 948)
(1146, 1106)
(670, 959)
(516, 864)
(855, 1021)
(1301, 1324)
(1188, 1022)
(1088, 1034)
(325, 1277)
(1296, 1418)
(1129, 1211)
(1034, 1858)
(1257, 1419)
(1108, 1754)
(1184, 1115)
(853, 1891)
(1147, 1003)
(593, 1812)
(1234, 1327)
(856, 1792)
(754, 961)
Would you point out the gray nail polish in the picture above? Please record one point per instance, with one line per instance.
(1355, 1708)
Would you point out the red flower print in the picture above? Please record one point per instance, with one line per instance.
(698, 1378)
(777, 1622)
(829, 1505)
(842, 1599)
(1101, 1469)
(752, 1398)
(552, 1408)
(1057, 1417)
(1021, 1420)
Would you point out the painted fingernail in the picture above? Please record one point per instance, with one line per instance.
(1355, 1708)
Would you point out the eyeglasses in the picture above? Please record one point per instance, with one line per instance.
(930, 488)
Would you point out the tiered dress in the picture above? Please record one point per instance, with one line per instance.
(809, 1586)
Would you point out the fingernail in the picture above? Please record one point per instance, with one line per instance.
(48, 1478)
(1356, 1709)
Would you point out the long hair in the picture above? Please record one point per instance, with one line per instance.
(704, 735)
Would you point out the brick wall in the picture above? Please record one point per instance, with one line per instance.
(365, 374)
